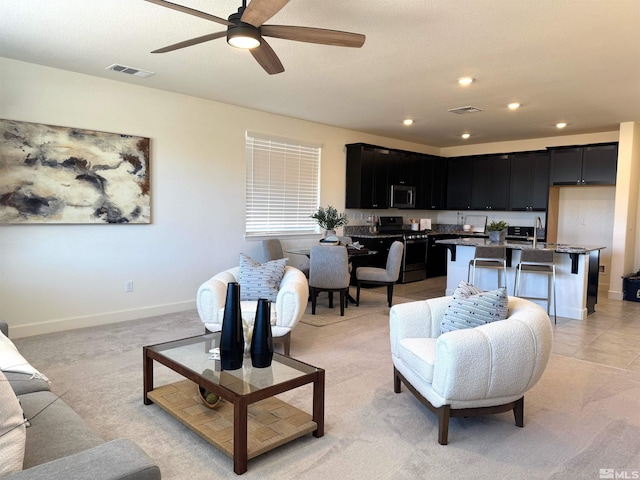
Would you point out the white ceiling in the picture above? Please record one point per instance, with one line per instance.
(576, 61)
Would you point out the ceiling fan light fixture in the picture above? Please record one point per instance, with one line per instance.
(245, 37)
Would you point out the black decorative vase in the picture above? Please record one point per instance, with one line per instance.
(232, 338)
(262, 340)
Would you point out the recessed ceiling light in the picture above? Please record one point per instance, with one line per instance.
(561, 125)
(513, 106)
(407, 121)
(465, 135)
(465, 81)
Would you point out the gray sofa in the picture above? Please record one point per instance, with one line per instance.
(60, 445)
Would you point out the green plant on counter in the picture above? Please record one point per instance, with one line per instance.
(329, 218)
(497, 226)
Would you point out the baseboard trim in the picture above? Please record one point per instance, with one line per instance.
(615, 295)
(59, 325)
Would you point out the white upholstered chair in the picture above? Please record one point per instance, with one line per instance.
(473, 371)
(286, 311)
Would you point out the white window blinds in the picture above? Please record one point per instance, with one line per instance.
(283, 185)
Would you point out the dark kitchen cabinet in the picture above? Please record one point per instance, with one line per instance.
(459, 180)
(437, 256)
(586, 165)
(490, 183)
(600, 164)
(529, 185)
(404, 168)
(367, 177)
(431, 183)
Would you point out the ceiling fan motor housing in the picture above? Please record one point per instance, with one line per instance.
(241, 29)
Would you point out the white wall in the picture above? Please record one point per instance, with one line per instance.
(55, 277)
(586, 218)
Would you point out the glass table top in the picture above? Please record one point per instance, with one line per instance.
(193, 354)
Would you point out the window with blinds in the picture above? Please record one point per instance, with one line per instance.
(283, 185)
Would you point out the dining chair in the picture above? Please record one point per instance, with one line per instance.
(272, 250)
(382, 276)
(329, 272)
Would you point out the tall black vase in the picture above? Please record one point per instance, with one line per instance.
(262, 340)
(232, 338)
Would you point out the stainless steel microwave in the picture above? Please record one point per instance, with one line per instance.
(403, 196)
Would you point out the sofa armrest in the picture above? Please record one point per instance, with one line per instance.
(115, 460)
(291, 301)
(4, 328)
(419, 319)
(211, 296)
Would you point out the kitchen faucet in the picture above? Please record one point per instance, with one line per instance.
(536, 223)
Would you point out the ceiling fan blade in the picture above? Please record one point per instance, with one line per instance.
(191, 11)
(259, 11)
(314, 35)
(267, 58)
(193, 41)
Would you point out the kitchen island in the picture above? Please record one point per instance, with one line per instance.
(577, 269)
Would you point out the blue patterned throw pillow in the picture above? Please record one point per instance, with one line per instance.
(260, 280)
(471, 307)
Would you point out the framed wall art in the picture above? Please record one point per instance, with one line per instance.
(51, 174)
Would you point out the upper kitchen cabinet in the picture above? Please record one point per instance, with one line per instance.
(529, 181)
(490, 184)
(431, 187)
(404, 168)
(459, 180)
(367, 177)
(588, 165)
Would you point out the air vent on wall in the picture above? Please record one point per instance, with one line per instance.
(130, 70)
(463, 110)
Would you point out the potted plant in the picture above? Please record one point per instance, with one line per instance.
(497, 231)
(329, 219)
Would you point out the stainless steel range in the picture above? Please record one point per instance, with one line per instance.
(414, 258)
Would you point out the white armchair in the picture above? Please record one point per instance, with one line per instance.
(474, 371)
(286, 311)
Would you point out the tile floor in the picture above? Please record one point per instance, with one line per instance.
(610, 336)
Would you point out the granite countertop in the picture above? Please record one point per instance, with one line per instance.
(430, 233)
(522, 245)
(375, 235)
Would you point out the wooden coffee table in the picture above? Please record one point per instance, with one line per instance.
(250, 420)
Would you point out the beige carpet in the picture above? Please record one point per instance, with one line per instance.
(580, 418)
(370, 302)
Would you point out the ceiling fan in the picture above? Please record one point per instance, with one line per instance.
(246, 29)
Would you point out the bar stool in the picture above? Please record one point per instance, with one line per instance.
(540, 262)
(488, 257)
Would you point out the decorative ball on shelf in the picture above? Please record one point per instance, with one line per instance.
(209, 399)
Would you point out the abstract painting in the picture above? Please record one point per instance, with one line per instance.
(51, 174)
